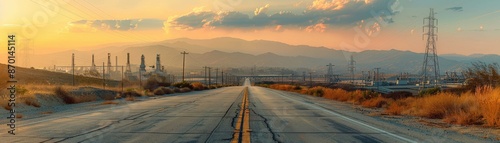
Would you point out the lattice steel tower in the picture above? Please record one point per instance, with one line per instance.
(329, 75)
(430, 68)
(352, 68)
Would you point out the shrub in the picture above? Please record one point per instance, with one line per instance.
(156, 81)
(183, 85)
(336, 94)
(197, 86)
(177, 90)
(436, 106)
(21, 90)
(316, 91)
(430, 91)
(481, 74)
(398, 107)
(398, 95)
(158, 91)
(31, 101)
(185, 89)
(131, 93)
(489, 99)
(130, 98)
(167, 90)
(212, 87)
(64, 95)
(376, 102)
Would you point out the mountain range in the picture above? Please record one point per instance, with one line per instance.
(231, 52)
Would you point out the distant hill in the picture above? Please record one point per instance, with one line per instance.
(232, 52)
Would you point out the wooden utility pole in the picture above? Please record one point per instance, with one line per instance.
(184, 53)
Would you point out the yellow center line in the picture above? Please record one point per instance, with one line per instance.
(242, 129)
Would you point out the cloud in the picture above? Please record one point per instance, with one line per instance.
(261, 10)
(336, 4)
(118, 25)
(456, 9)
(318, 15)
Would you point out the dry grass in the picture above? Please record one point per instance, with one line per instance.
(399, 106)
(479, 108)
(489, 100)
(337, 94)
(108, 102)
(377, 102)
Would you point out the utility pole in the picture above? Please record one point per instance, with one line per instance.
(310, 79)
(216, 76)
(122, 79)
(184, 53)
(103, 77)
(73, 67)
(205, 67)
(209, 76)
(377, 78)
(222, 80)
(116, 67)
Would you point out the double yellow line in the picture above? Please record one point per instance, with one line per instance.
(242, 130)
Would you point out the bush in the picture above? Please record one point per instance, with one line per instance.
(398, 107)
(167, 90)
(183, 85)
(31, 101)
(481, 74)
(21, 90)
(185, 89)
(489, 99)
(197, 86)
(131, 93)
(430, 91)
(177, 90)
(158, 91)
(156, 81)
(64, 95)
(437, 106)
(316, 91)
(377, 102)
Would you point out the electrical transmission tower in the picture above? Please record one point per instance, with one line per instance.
(330, 76)
(352, 68)
(430, 68)
(27, 50)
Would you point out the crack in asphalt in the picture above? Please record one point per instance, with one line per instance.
(225, 114)
(266, 121)
(135, 117)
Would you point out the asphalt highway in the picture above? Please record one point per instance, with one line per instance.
(212, 116)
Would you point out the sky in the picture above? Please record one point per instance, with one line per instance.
(464, 26)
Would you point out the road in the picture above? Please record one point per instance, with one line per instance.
(211, 116)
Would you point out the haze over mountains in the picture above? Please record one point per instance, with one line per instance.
(232, 52)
